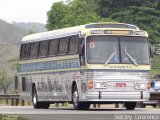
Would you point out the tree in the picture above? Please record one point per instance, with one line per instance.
(77, 13)
(5, 80)
(143, 13)
(139, 12)
(158, 6)
(56, 15)
(13, 64)
(81, 13)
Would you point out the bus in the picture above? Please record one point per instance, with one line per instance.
(97, 63)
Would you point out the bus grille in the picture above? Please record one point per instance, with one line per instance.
(118, 75)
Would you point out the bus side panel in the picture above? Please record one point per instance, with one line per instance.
(41, 86)
(56, 86)
(25, 87)
(53, 79)
(59, 86)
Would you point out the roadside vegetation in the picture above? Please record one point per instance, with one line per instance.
(156, 65)
(11, 117)
(143, 13)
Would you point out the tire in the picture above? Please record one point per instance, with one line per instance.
(154, 106)
(36, 104)
(45, 105)
(144, 106)
(76, 104)
(130, 105)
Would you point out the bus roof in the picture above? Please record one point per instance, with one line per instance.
(73, 31)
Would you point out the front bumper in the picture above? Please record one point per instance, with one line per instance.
(102, 96)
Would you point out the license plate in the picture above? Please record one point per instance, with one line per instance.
(120, 84)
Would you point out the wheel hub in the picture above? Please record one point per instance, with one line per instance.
(75, 97)
(34, 99)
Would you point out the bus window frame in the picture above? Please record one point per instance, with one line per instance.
(69, 43)
(82, 51)
(22, 57)
(48, 55)
(37, 55)
(40, 48)
(66, 51)
(21, 51)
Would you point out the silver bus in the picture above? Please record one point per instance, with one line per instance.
(96, 63)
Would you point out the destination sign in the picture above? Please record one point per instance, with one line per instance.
(112, 32)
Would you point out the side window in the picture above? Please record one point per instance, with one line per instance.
(22, 54)
(34, 50)
(43, 48)
(25, 50)
(63, 46)
(53, 47)
(73, 45)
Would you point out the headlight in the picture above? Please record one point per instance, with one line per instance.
(140, 85)
(100, 84)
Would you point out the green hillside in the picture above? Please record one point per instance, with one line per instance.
(10, 37)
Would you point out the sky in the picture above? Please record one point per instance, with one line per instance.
(25, 10)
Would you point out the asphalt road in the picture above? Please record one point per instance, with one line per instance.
(92, 114)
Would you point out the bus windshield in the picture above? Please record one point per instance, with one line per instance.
(116, 50)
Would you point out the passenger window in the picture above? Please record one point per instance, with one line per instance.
(53, 47)
(25, 50)
(34, 50)
(63, 46)
(22, 56)
(152, 84)
(43, 48)
(73, 45)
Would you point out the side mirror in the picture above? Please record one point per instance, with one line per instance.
(82, 55)
(151, 51)
(81, 46)
(80, 50)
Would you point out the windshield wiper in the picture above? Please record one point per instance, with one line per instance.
(111, 56)
(130, 57)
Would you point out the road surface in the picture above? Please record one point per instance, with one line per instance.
(92, 114)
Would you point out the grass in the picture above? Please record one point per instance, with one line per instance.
(3, 102)
(155, 65)
(11, 117)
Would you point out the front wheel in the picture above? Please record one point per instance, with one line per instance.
(36, 103)
(76, 104)
(130, 105)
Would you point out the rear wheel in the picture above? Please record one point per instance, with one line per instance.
(76, 104)
(143, 105)
(36, 104)
(130, 105)
(45, 105)
(154, 106)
